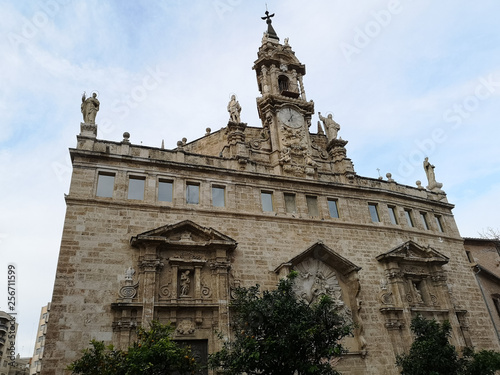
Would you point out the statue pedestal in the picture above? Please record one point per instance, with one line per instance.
(236, 139)
(88, 130)
(341, 163)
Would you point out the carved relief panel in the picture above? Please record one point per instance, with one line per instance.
(324, 272)
(184, 279)
(414, 283)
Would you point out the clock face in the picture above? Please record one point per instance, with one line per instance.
(290, 117)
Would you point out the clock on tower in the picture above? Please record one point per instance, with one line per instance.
(282, 106)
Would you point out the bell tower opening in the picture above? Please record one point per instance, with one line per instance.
(283, 82)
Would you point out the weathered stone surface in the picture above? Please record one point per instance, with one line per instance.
(380, 273)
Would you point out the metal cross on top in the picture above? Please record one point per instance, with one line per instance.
(270, 31)
(268, 17)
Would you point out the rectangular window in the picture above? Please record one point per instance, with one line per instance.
(333, 208)
(423, 216)
(218, 196)
(312, 205)
(372, 207)
(192, 193)
(392, 214)
(136, 187)
(165, 190)
(496, 302)
(439, 224)
(290, 205)
(408, 218)
(105, 185)
(267, 201)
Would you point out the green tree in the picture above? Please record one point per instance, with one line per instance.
(99, 359)
(154, 353)
(432, 354)
(485, 362)
(275, 333)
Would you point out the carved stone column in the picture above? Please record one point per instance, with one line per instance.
(151, 265)
(301, 86)
(220, 268)
(197, 282)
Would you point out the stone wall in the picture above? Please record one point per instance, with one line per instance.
(96, 249)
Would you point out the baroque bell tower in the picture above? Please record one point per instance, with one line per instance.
(282, 106)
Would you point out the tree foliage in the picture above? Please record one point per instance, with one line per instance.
(432, 354)
(99, 359)
(153, 353)
(275, 333)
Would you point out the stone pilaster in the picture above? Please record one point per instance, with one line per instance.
(150, 265)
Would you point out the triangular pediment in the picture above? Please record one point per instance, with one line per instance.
(184, 233)
(412, 252)
(324, 254)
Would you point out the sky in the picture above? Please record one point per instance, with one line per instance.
(404, 79)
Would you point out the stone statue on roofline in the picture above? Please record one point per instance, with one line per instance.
(234, 110)
(331, 126)
(431, 177)
(89, 107)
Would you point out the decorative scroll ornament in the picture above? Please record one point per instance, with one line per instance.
(256, 143)
(128, 291)
(165, 291)
(387, 298)
(206, 292)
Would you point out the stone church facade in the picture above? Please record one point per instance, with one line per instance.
(157, 234)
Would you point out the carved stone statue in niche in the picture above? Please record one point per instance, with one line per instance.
(185, 283)
(418, 293)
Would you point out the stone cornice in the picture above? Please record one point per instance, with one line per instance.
(268, 179)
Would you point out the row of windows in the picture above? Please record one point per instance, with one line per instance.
(408, 214)
(291, 206)
(136, 186)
